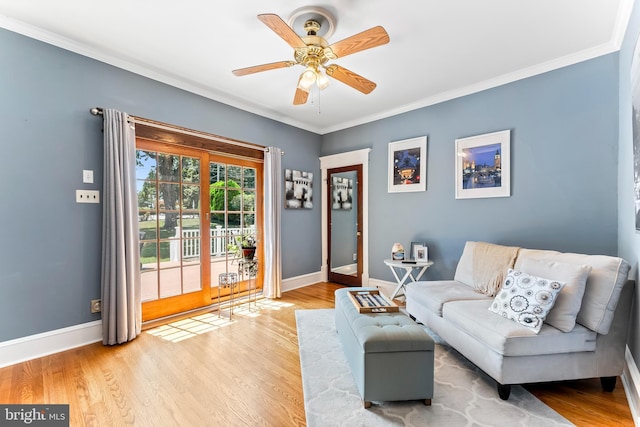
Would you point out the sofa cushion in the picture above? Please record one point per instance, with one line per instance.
(566, 308)
(526, 299)
(433, 294)
(602, 291)
(510, 338)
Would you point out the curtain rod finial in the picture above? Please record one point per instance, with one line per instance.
(95, 111)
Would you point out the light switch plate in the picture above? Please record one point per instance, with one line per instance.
(87, 196)
(87, 176)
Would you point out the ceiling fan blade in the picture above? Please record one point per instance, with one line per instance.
(263, 67)
(300, 97)
(350, 78)
(372, 37)
(281, 28)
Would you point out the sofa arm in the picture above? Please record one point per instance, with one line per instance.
(610, 348)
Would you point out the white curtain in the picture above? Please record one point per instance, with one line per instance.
(272, 206)
(121, 307)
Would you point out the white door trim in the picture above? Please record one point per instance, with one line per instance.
(358, 157)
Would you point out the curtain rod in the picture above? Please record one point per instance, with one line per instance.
(99, 111)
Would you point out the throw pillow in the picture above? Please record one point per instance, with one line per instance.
(526, 299)
(565, 310)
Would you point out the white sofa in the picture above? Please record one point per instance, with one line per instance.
(590, 314)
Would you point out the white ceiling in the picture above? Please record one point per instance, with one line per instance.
(439, 49)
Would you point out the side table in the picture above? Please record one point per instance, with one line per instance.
(411, 272)
(227, 280)
(249, 268)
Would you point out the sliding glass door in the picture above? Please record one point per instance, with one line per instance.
(192, 207)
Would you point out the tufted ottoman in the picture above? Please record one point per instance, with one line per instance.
(390, 356)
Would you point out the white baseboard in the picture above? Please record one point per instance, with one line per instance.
(46, 343)
(631, 382)
(301, 281)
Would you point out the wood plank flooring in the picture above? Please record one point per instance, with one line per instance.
(207, 371)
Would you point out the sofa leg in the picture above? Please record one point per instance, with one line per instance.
(504, 391)
(608, 383)
(367, 404)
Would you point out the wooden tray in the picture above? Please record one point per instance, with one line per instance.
(372, 302)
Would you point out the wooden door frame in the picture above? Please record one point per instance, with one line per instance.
(358, 157)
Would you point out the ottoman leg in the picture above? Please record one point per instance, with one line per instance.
(427, 402)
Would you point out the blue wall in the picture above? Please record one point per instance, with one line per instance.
(564, 158)
(51, 246)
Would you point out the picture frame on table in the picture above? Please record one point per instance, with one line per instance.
(483, 166)
(418, 251)
(407, 170)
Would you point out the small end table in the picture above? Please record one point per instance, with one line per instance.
(227, 280)
(413, 271)
(249, 268)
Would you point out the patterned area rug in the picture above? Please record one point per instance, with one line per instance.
(463, 395)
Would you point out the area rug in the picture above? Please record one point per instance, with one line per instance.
(463, 395)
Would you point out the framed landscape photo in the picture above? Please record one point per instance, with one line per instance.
(483, 166)
(407, 165)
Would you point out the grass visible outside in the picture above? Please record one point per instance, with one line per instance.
(148, 249)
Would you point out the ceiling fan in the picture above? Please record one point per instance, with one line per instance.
(313, 52)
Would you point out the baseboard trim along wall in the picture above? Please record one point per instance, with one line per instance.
(46, 343)
(301, 281)
(631, 382)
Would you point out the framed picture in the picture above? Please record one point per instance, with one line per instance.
(418, 247)
(635, 117)
(483, 166)
(408, 165)
(421, 253)
(341, 193)
(298, 189)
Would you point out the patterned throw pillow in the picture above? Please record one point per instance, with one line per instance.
(526, 299)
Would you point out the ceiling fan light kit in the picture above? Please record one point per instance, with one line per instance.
(313, 51)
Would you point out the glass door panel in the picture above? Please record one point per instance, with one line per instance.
(233, 201)
(171, 231)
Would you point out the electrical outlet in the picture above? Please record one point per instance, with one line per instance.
(87, 196)
(355, 256)
(96, 305)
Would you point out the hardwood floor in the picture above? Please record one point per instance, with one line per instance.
(205, 371)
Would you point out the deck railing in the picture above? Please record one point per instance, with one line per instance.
(189, 241)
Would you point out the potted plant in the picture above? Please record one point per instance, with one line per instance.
(244, 245)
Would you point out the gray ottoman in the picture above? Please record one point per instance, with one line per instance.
(390, 356)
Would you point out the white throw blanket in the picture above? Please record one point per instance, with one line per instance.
(490, 265)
